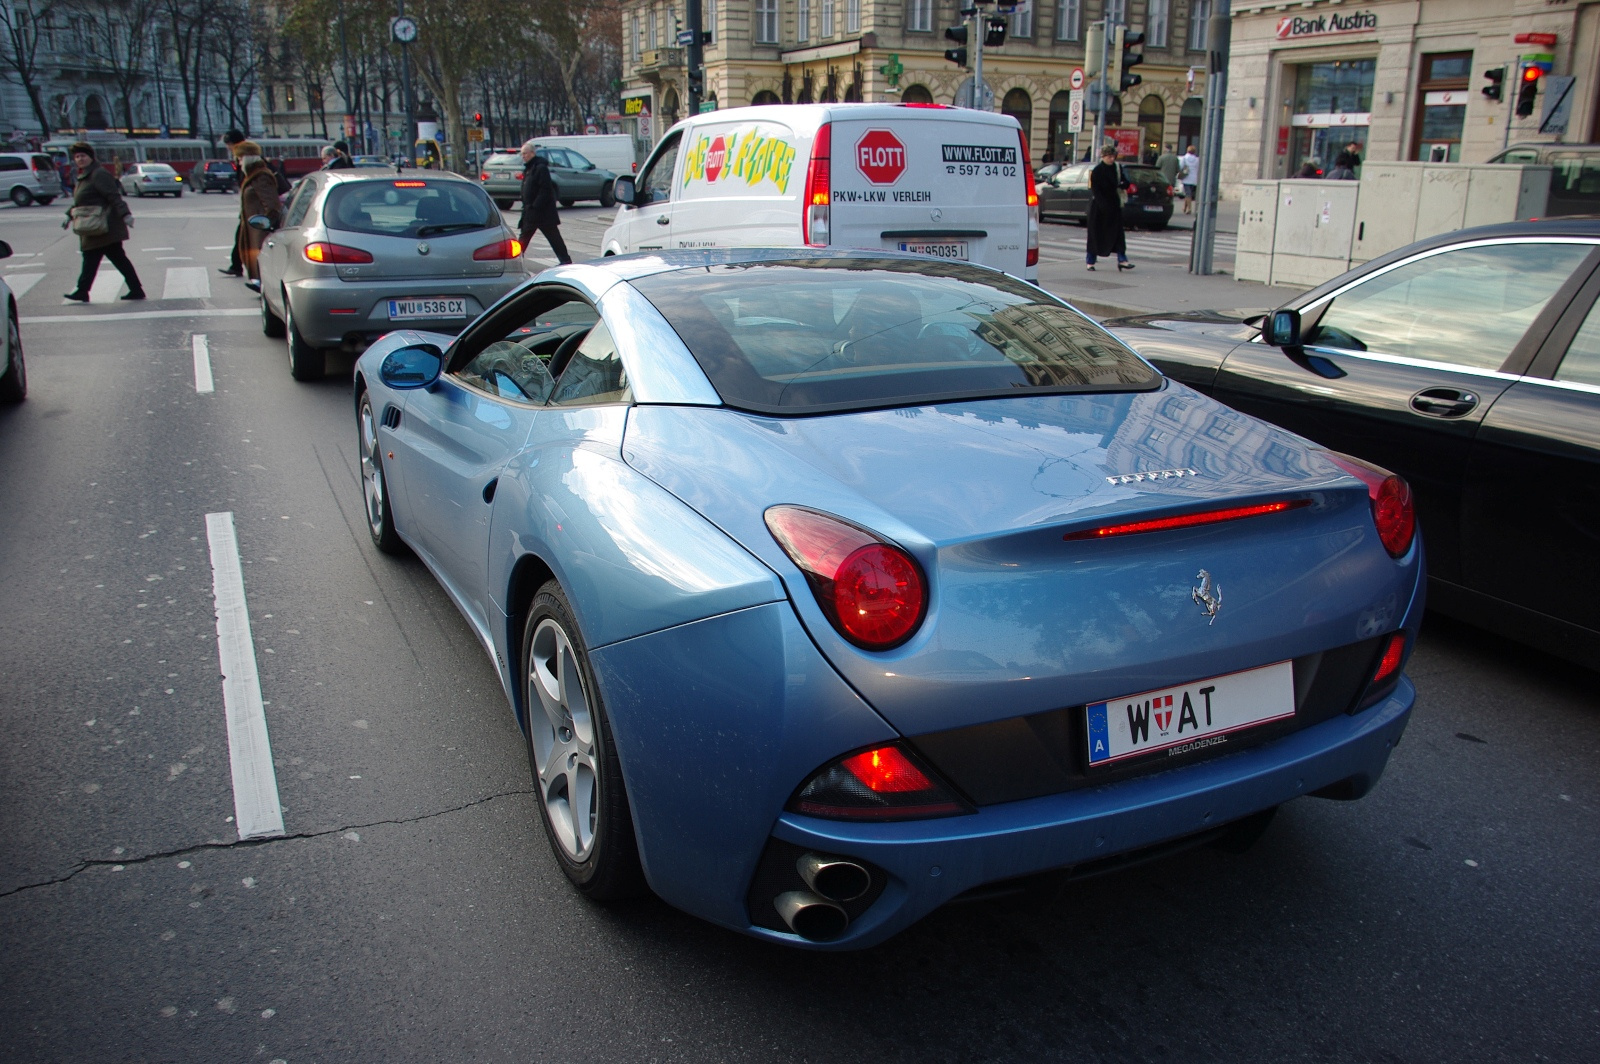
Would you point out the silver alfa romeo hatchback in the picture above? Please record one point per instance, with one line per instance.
(360, 253)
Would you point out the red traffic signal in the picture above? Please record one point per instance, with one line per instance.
(1529, 92)
(1531, 73)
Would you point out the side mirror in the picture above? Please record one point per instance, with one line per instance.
(416, 366)
(260, 222)
(622, 189)
(5, 250)
(1281, 328)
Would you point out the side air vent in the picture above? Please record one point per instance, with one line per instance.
(391, 417)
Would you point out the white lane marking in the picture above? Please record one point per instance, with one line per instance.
(107, 285)
(138, 315)
(22, 283)
(174, 258)
(203, 384)
(187, 282)
(255, 783)
(219, 247)
(23, 254)
(158, 249)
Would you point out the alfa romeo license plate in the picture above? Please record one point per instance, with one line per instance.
(427, 307)
(947, 249)
(1189, 717)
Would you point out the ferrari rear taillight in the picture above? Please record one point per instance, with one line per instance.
(819, 189)
(1392, 508)
(1031, 198)
(509, 248)
(871, 590)
(325, 252)
(886, 782)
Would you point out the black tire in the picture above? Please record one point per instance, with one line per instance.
(138, 190)
(306, 363)
(21, 196)
(45, 201)
(608, 197)
(605, 867)
(504, 204)
(374, 482)
(178, 194)
(568, 202)
(271, 324)
(14, 384)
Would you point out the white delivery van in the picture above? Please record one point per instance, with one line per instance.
(939, 181)
(608, 151)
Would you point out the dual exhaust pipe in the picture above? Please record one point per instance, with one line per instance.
(818, 914)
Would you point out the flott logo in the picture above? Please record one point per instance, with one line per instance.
(881, 157)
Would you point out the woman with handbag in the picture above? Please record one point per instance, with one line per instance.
(258, 195)
(101, 218)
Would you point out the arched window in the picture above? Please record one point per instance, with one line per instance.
(1152, 121)
(1058, 147)
(1189, 122)
(669, 108)
(94, 112)
(764, 97)
(1019, 105)
(916, 94)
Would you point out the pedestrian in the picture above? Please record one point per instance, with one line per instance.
(539, 203)
(101, 218)
(280, 176)
(334, 159)
(1350, 158)
(257, 196)
(1106, 235)
(238, 145)
(1189, 175)
(1169, 165)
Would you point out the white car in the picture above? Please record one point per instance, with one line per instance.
(28, 177)
(151, 179)
(14, 378)
(940, 181)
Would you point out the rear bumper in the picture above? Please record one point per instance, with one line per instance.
(315, 301)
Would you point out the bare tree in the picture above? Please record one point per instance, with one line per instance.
(120, 34)
(23, 25)
(191, 24)
(574, 36)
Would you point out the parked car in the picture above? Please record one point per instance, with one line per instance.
(1574, 175)
(360, 253)
(609, 151)
(215, 175)
(151, 179)
(575, 177)
(945, 182)
(1146, 196)
(501, 177)
(28, 177)
(1470, 364)
(14, 377)
(807, 571)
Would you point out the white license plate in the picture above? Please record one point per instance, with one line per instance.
(1190, 716)
(1149, 207)
(407, 309)
(947, 249)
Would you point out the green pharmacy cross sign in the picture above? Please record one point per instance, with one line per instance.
(892, 70)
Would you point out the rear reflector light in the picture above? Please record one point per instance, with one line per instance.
(509, 248)
(872, 591)
(884, 783)
(322, 251)
(1031, 198)
(344, 310)
(1393, 510)
(1205, 517)
(1393, 654)
(819, 189)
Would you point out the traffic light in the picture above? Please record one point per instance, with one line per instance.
(958, 34)
(1094, 48)
(1496, 89)
(697, 81)
(1529, 90)
(995, 35)
(477, 119)
(1128, 58)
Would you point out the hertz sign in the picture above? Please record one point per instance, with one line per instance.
(1292, 26)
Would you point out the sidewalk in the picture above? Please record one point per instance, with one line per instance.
(1163, 286)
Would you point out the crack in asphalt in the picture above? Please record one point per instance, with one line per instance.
(239, 844)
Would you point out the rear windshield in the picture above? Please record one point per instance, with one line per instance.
(219, 167)
(410, 207)
(1143, 175)
(815, 336)
(158, 168)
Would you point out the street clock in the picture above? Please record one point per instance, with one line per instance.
(403, 29)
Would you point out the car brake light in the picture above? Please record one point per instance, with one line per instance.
(1171, 191)
(819, 189)
(885, 783)
(322, 251)
(929, 106)
(1031, 198)
(1393, 511)
(872, 591)
(410, 184)
(1204, 517)
(1133, 189)
(509, 248)
(485, 176)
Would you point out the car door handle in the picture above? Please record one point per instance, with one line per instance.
(1443, 402)
(663, 220)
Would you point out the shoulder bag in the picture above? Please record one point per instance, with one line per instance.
(90, 220)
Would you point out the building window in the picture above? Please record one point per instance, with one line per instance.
(1022, 22)
(655, 38)
(1068, 15)
(802, 29)
(1155, 24)
(919, 16)
(1199, 15)
(766, 21)
(638, 38)
(827, 19)
(1117, 11)
(1442, 109)
(710, 27)
(852, 16)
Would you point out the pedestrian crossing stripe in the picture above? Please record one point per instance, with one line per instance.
(22, 283)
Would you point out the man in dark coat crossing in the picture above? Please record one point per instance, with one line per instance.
(539, 203)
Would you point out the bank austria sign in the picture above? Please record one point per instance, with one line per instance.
(1291, 27)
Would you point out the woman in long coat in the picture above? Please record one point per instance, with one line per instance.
(97, 188)
(1106, 236)
(258, 194)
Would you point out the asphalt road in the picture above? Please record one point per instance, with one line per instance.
(412, 911)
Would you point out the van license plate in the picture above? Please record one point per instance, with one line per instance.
(1154, 207)
(430, 307)
(947, 249)
(1191, 716)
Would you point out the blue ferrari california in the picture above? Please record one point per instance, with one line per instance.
(829, 586)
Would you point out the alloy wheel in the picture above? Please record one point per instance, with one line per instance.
(562, 731)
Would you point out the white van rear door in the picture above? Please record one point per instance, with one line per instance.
(933, 183)
(739, 185)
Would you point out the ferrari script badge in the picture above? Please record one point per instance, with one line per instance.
(423, 248)
(1207, 596)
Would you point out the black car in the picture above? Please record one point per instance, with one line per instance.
(1146, 196)
(215, 175)
(1469, 363)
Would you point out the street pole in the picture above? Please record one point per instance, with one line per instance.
(1105, 89)
(1219, 34)
(980, 29)
(1509, 92)
(409, 137)
(696, 57)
